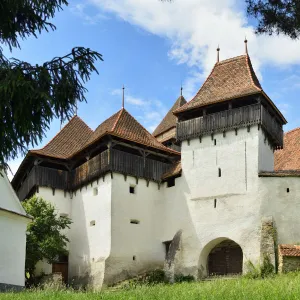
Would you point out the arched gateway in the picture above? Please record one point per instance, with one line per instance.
(225, 258)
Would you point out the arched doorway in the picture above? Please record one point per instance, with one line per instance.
(225, 258)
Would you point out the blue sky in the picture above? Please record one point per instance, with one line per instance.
(151, 47)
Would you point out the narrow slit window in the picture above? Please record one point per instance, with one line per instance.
(134, 221)
(133, 257)
(132, 190)
(215, 142)
(287, 190)
(220, 172)
(215, 203)
(93, 223)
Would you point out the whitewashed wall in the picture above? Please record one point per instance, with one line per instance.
(284, 207)
(90, 245)
(237, 215)
(134, 240)
(12, 236)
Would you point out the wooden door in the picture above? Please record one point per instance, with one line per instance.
(61, 268)
(225, 259)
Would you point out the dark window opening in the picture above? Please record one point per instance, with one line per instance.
(171, 182)
(133, 257)
(167, 246)
(93, 223)
(134, 222)
(131, 189)
(215, 142)
(220, 172)
(287, 190)
(215, 203)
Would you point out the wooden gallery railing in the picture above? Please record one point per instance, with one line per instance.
(231, 119)
(113, 160)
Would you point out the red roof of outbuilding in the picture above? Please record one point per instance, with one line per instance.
(289, 250)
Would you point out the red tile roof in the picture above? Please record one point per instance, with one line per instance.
(69, 140)
(169, 121)
(289, 250)
(229, 79)
(288, 158)
(124, 126)
(174, 170)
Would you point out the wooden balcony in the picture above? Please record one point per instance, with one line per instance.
(232, 119)
(107, 161)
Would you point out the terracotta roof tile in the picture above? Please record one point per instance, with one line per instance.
(289, 250)
(123, 125)
(288, 158)
(169, 121)
(229, 79)
(174, 170)
(70, 139)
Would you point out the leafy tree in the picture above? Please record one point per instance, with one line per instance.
(45, 237)
(276, 16)
(32, 95)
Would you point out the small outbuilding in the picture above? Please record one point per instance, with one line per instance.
(288, 258)
(13, 224)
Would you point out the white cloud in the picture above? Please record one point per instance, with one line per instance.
(79, 10)
(196, 27)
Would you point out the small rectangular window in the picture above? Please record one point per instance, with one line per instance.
(133, 257)
(134, 221)
(167, 246)
(215, 142)
(220, 172)
(171, 182)
(93, 223)
(287, 190)
(95, 191)
(132, 190)
(215, 203)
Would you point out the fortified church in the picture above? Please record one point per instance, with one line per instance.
(213, 188)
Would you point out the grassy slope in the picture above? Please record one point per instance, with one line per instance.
(283, 287)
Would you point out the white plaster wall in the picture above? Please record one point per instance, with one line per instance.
(266, 154)
(90, 245)
(190, 204)
(12, 248)
(8, 197)
(282, 206)
(139, 240)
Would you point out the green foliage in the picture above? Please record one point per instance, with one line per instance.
(32, 95)
(276, 16)
(184, 278)
(45, 239)
(279, 287)
(260, 271)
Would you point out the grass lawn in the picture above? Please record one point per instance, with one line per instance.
(281, 287)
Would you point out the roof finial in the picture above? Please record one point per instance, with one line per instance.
(123, 98)
(181, 90)
(218, 54)
(246, 45)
